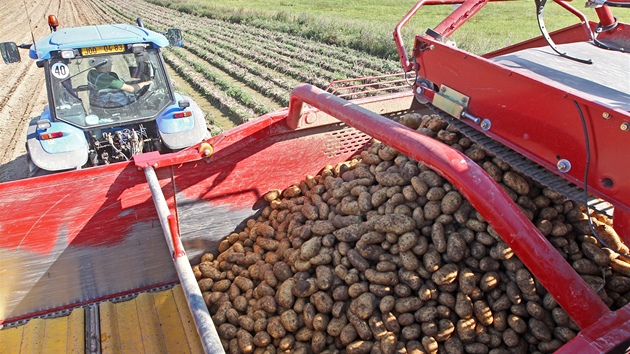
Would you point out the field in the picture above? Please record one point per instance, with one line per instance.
(368, 25)
(240, 62)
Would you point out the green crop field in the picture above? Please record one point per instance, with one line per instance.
(368, 25)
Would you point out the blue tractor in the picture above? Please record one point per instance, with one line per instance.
(109, 97)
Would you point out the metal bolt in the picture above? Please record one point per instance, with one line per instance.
(443, 89)
(564, 165)
(606, 115)
(464, 99)
(486, 124)
(625, 126)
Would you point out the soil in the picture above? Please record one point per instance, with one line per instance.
(23, 89)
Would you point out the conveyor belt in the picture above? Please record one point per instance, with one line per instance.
(152, 322)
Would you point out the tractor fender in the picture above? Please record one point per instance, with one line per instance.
(179, 133)
(69, 151)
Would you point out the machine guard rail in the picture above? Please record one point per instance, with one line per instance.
(466, 10)
(532, 248)
(203, 322)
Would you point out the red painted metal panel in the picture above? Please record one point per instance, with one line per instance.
(84, 203)
(538, 119)
(603, 336)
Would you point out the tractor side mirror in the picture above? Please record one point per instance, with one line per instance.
(9, 52)
(174, 36)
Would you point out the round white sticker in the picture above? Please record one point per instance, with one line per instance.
(60, 70)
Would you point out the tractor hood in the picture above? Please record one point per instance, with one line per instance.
(90, 36)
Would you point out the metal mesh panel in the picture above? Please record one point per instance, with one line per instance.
(345, 140)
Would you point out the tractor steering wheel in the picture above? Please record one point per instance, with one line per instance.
(143, 90)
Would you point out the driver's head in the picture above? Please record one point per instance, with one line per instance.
(103, 64)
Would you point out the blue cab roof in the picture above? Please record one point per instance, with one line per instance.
(98, 35)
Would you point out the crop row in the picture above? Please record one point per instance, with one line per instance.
(249, 33)
(281, 43)
(231, 90)
(226, 104)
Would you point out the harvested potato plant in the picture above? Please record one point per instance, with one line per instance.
(382, 255)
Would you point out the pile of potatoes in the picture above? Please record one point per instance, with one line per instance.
(382, 255)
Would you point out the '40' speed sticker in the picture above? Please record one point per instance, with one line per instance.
(60, 70)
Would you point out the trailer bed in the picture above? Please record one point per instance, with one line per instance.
(151, 322)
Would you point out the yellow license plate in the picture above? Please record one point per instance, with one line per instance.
(115, 48)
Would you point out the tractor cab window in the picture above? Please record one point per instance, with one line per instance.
(107, 89)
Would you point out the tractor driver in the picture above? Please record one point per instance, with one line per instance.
(102, 77)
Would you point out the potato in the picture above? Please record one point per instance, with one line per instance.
(363, 306)
(432, 210)
(539, 330)
(451, 202)
(446, 274)
(525, 282)
(431, 259)
(361, 326)
(489, 281)
(465, 329)
(227, 331)
(359, 347)
(426, 314)
(381, 278)
(411, 331)
(245, 341)
(482, 312)
(431, 178)
(262, 339)
(350, 233)
(407, 241)
(516, 183)
(409, 261)
(455, 247)
(336, 325)
(511, 337)
(463, 306)
(395, 223)
(517, 323)
(454, 345)
(388, 343)
(467, 281)
(493, 170)
(595, 254)
(476, 348)
(284, 296)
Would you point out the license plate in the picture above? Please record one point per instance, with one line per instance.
(114, 48)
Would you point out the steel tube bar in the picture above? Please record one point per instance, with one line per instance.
(203, 322)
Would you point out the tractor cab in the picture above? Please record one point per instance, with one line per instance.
(105, 75)
(109, 97)
(113, 88)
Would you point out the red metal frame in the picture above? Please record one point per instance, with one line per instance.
(178, 250)
(532, 124)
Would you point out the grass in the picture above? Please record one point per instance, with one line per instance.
(367, 25)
